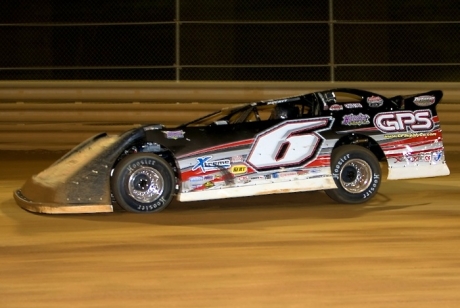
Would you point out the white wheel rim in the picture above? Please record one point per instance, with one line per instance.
(145, 185)
(355, 176)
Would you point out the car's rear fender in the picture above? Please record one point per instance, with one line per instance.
(363, 141)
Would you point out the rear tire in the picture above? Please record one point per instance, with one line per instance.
(357, 174)
(143, 183)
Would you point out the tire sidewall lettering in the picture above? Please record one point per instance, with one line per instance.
(339, 164)
(373, 187)
(155, 205)
(136, 165)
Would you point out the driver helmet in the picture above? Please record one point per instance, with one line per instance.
(283, 112)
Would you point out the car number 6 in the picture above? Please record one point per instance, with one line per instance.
(286, 145)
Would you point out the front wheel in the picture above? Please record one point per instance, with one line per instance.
(143, 183)
(357, 174)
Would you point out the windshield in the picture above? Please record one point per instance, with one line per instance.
(227, 116)
(253, 112)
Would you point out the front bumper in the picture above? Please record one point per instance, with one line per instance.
(56, 208)
(79, 182)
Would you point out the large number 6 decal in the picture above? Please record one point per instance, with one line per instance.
(289, 144)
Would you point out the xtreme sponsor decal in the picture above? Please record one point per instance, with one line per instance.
(205, 164)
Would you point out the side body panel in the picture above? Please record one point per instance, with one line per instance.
(261, 158)
(246, 159)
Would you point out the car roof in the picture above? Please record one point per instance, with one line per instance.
(303, 97)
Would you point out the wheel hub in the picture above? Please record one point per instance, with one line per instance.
(141, 182)
(356, 176)
(145, 185)
(349, 174)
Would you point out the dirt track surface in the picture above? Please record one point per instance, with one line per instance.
(295, 250)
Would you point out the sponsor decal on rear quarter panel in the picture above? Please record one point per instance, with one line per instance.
(424, 100)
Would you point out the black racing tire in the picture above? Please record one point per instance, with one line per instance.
(357, 174)
(143, 183)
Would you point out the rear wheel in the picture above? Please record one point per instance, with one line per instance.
(357, 174)
(143, 183)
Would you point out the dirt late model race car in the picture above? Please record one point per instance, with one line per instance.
(329, 140)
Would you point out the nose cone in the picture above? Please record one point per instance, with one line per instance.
(79, 182)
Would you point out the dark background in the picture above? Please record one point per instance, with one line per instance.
(266, 40)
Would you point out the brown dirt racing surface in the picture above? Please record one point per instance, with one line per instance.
(402, 249)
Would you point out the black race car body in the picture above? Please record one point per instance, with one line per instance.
(330, 140)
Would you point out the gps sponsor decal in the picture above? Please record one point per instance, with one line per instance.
(424, 100)
(239, 169)
(374, 101)
(404, 121)
(206, 165)
(355, 119)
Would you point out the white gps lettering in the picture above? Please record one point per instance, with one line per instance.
(404, 121)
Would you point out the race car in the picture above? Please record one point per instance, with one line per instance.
(327, 140)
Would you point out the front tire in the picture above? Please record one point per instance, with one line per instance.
(143, 183)
(357, 174)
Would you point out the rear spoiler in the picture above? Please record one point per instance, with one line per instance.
(418, 101)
